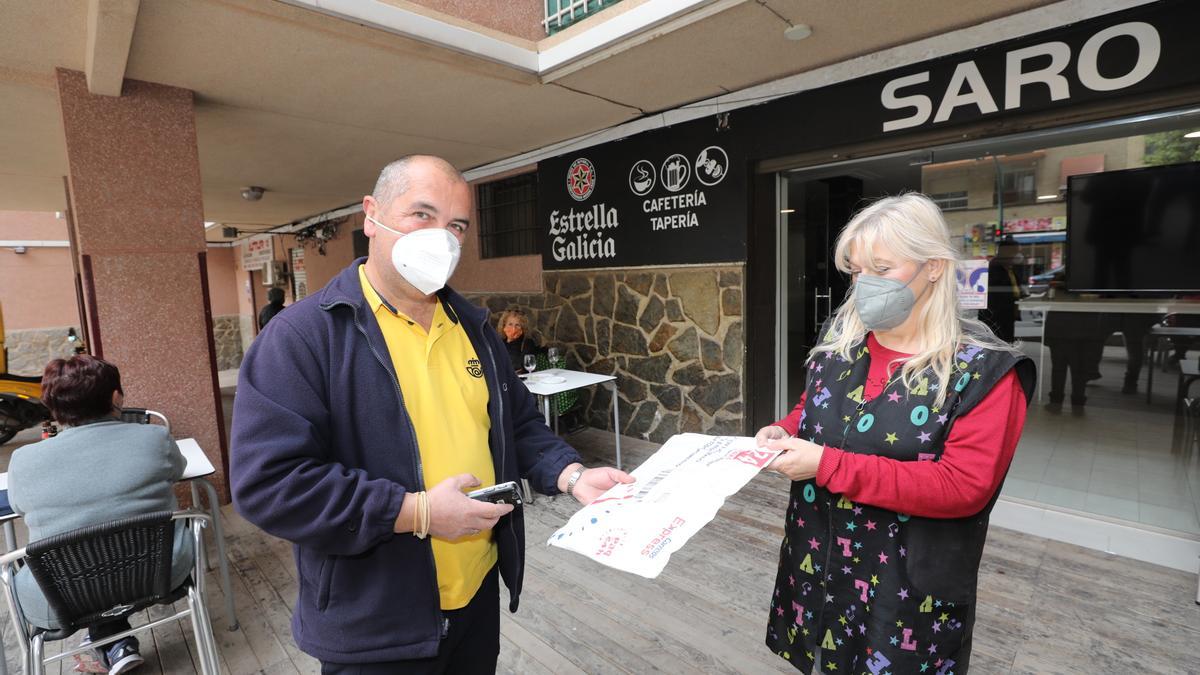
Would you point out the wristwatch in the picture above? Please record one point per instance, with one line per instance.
(573, 480)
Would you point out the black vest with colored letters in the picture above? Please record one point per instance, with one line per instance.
(879, 591)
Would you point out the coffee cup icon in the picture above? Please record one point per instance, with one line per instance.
(641, 177)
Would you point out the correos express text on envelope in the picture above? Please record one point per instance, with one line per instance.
(636, 527)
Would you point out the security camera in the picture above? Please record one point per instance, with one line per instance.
(253, 193)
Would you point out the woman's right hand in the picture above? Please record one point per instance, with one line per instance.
(770, 433)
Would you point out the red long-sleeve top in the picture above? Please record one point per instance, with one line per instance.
(978, 450)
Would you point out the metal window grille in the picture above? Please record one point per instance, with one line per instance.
(950, 201)
(508, 217)
(563, 13)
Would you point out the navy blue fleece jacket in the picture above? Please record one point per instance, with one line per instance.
(323, 452)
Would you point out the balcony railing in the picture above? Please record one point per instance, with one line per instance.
(563, 13)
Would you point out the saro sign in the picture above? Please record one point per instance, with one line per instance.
(1048, 64)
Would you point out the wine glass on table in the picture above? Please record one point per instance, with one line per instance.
(530, 363)
(552, 354)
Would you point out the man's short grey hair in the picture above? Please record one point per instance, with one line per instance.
(393, 180)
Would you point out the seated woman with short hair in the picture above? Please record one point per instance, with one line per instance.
(514, 327)
(97, 470)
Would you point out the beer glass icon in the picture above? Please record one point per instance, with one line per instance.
(676, 170)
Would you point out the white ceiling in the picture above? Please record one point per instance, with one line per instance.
(311, 106)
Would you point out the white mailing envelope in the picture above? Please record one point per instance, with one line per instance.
(637, 527)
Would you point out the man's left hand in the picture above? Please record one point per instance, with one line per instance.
(592, 482)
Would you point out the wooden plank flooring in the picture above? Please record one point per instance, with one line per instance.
(1045, 606)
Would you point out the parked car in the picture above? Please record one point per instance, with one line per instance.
(1040, 283)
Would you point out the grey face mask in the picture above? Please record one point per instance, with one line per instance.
(884, 303)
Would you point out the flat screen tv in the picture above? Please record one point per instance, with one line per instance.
(1135, 230)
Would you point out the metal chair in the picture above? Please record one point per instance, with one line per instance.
(1189, 373)
(144, 416)
(1155, 356)
(110, 571)
(1167, 329)
(1187, 406)
(559, 403)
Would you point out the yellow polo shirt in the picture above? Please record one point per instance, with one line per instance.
(446, 397)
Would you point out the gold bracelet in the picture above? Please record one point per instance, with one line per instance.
(423, 514)
(425, 509)
(416, 511)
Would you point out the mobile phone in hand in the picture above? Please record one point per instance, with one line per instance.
(502, 493)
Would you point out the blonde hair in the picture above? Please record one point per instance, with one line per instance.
(521, 317)
(910, 226)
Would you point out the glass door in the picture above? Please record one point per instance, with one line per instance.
(812, 212)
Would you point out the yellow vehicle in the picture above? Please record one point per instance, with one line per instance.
(20, 397)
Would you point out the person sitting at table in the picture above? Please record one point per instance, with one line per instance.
(96, 470)
(514, 326)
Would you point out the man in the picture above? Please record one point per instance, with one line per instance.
(274, 306)
(362, 415)
(1003, 292)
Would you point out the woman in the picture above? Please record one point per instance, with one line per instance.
(514, 326)
(897, 450)
(96, 470)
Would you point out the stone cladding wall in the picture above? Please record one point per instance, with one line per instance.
(30, 350)
(672, 336)
(227, 336)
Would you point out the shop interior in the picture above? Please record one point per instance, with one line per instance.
(1125, 447)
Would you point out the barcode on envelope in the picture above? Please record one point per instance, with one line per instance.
(650, 484)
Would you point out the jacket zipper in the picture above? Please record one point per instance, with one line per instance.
(417, 464)
(499, 397)
(858, 411)
(512, 530)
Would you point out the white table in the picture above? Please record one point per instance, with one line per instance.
(194, 472)
(573, 379)
(1128, 306)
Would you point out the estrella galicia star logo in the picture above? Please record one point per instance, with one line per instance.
(474, 368)
(581, 179)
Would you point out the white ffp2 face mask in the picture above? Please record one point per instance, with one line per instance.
(425, 258)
